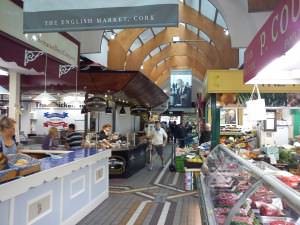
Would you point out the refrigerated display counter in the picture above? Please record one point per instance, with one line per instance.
(236, 191)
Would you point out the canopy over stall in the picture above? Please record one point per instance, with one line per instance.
(130, 85)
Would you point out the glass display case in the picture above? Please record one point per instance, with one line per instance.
(234, 190)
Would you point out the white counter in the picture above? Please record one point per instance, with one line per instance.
(59, 194)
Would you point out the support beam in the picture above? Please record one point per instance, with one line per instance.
(14, 100)
(215, 120)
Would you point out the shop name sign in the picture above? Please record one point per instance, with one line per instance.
(279, 34)
(77, 15)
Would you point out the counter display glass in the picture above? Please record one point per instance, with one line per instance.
(236, 191)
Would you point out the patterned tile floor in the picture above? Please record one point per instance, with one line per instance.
(154, 197)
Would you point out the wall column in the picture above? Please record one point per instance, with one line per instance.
(215, 120)
(14, 99)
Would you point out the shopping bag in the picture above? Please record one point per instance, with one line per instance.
(256, 108)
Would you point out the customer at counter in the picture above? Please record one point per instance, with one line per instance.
(104, 135)
(49, 140)
(74, 139)
(7, 133)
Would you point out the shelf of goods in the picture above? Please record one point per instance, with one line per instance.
(239, 192)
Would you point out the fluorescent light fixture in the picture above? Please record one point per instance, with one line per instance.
(175, 38)
(45, 98)
(3, 91)
(3, 72)
(283, 70)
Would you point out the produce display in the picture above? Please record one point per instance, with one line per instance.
(236, 139)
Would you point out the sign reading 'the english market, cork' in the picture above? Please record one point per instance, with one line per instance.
(77, 15)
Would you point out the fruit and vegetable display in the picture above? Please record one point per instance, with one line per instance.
(239, 140)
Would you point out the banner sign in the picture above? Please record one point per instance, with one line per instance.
(56, 115)
(77, 15)
(279, 34)
(55, 124)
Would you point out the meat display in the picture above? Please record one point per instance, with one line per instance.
(292, 181)
(227, 199)
(269, 209)
(281, 223)
(236, 220)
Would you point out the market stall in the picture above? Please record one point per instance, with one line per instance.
(68, 186)
(236, 191)
(227, 95)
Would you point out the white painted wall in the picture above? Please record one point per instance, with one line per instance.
(242, 25)
(37, 114)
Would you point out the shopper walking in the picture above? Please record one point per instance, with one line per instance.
(180, 135)
(159, 139)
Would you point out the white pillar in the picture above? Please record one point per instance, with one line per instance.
(14, 99)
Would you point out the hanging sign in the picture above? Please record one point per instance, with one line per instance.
(55, 124)
(279, 34)
(77, 15)
(56, 115)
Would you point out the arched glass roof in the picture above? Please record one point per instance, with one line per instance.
(204, 7)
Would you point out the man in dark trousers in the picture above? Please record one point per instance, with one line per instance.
(180, 135)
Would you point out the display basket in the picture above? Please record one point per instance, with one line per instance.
(31, 167)
(9, 173)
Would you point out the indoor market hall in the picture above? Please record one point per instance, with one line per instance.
(153, 112)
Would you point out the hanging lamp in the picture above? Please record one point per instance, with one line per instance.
(45, 98)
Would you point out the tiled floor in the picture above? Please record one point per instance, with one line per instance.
(152, 197)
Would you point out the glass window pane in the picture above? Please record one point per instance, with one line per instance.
(241, 56)
(193, 4)
(192, 28)
(208, 10)
(221, 21)
(204, 36)
(147, 58)
(136, 44)
(155, 51)
(157, 30)
(146, 36)
(164, 46)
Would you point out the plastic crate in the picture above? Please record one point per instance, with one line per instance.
(179, 161)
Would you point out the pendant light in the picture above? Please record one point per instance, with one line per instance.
(45, 98)
(122, 110)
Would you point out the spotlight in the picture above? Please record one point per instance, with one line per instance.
(226, 32)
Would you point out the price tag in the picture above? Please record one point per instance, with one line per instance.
(278, 203)
(273, 160)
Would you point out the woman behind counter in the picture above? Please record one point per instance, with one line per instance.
(49, 140)
(7, 133)
(104, 135)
